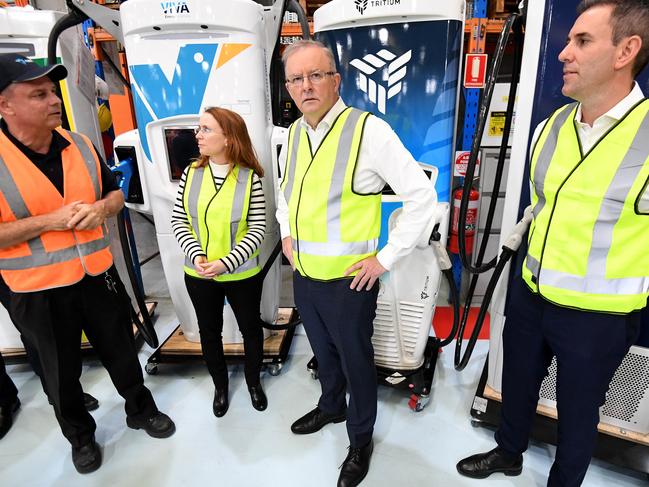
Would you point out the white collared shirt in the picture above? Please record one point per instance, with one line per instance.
(589, 135)
(382, 159)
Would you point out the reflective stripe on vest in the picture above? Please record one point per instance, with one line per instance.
(326, 253)
(52, 259)
(236, 225)
(612, 273)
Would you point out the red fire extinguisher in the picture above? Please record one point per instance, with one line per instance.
(470, 223)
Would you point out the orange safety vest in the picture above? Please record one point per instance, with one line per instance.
(55, 258)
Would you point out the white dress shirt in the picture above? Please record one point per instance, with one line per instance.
(588, 136)
(382, 158)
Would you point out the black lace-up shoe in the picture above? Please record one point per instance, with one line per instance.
(314, 421)
(87, 458)
(258, 397)
(158, 425)
(482, 465)
(356, 465)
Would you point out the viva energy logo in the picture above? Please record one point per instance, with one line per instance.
(381, 75)
(176, 88)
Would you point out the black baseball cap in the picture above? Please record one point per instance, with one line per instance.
(15, 68)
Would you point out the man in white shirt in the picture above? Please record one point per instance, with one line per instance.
(337, 161)
(585, 278)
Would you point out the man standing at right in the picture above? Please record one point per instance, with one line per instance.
(586, 274)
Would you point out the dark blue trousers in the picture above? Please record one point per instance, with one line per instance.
(589, 348)
(339, 324)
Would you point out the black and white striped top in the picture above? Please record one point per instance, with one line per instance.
(256, 222)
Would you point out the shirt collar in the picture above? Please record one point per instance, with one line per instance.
(621, 109)
(331, 116)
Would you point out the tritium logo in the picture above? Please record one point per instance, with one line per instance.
(361, 5)
(174, 7)
(388, 83)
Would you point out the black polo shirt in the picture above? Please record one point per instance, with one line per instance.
(51, 163)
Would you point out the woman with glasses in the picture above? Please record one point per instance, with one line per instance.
(219, 220)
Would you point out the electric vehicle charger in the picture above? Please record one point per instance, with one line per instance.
(515, 22)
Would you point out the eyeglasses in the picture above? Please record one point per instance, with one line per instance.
(205, 130)
(315, 78)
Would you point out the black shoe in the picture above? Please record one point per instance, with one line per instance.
(7, 416)
(314, 421)
(482, 465)
(158, 425)
(356, 465)
(90, 402)
(258, 397)
(87, 458)
(220, 405)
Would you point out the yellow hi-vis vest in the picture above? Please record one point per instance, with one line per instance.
(588, 242)
(332, 226)
(219, 219)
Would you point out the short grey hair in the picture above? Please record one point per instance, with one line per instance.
(303, 44)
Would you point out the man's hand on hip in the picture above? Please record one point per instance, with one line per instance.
(369, 270)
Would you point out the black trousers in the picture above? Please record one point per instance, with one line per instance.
(339, 324)
(8, 391)
(32, 354)
(52, 322)
(208, 297)
(589, 348)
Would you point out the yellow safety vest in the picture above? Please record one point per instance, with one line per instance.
(219, 219)
(332, 226)
(588, 242)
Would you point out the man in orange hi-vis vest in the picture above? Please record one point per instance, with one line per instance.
(55, 195)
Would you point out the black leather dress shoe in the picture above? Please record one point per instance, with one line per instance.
(482, 465)
(89, 402)
(87, 458)
(258, 397)
(159, 425)
(314, 421)
(7, 416)
(356, 465)
(220, 405)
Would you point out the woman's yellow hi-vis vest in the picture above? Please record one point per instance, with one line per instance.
(332, 226)
(588, 242)
(219, 219)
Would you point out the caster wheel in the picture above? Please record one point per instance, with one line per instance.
(274, 369)
(417, 402)
(476, 423)
(151, 369)
(314, 373)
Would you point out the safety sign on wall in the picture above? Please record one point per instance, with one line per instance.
(475, 70)
(461, 161)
